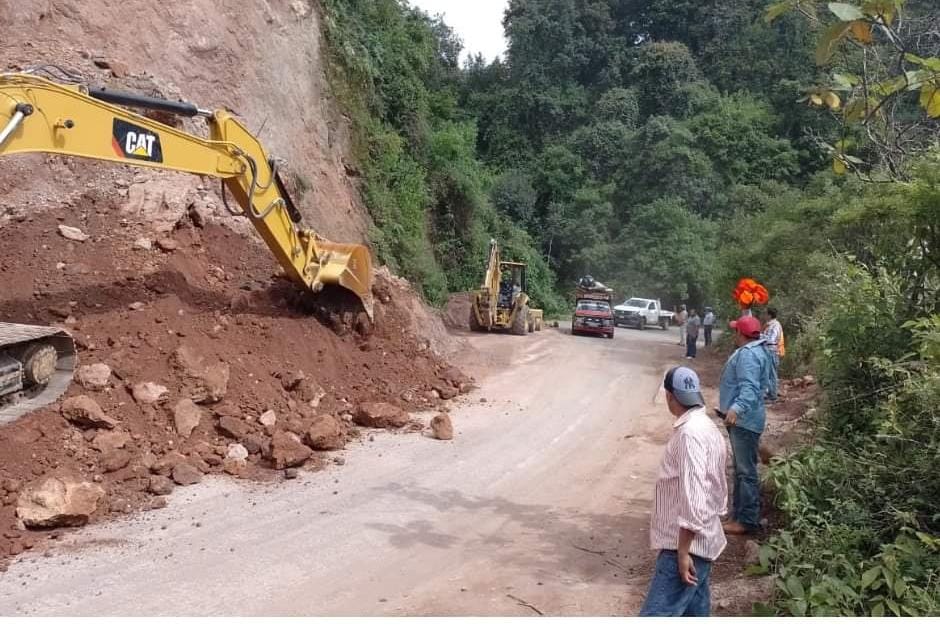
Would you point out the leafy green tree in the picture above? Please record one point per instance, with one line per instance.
(619, 105)
(664, 159)
(737, 133)
(665, 250)
(604, 146)
(661, 70)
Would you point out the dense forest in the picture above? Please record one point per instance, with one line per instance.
(668, 148)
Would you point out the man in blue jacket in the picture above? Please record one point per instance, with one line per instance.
(741, 390)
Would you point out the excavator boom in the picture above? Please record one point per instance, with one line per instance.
(38, 115)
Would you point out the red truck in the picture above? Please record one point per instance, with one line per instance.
(593, 314)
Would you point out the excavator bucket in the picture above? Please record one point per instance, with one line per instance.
(36, 366)
(348, 266)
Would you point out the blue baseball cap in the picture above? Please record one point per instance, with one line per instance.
(683, 383)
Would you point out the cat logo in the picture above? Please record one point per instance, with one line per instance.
(136, 143)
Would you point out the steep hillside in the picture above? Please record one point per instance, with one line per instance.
(260, 59)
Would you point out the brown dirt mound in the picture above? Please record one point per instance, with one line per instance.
(217, 294)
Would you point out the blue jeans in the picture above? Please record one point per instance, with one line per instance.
(669, 596)
(746, 499)
(691, 344)
(772, 383)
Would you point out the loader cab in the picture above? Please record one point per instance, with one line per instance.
(512, 283)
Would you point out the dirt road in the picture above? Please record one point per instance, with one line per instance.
(541, 502)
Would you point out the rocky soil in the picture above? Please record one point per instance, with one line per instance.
(195, 359)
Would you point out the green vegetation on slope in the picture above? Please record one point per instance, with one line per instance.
(395, 70)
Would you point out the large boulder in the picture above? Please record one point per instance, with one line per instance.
(288, 451)
(160, 485)
(94, 377)
(84, 412)
(303, 387)
(447, 392)
(72, 233)
(110, 440)
(185, 474)
(208, 381)
(326, 433)
(58, 501)
(442, 428)
(186, 417)
(165, 465)
(268, 418)
(149, 393)
(233, 427)
(237, 452)
(380, 416)
(114, 460)
(454, 376)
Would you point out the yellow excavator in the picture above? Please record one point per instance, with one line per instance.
(501, 302)
(63, 116)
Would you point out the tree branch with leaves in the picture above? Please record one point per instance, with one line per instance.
(881, 80)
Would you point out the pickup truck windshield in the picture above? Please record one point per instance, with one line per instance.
(591, 305)
(636, 303)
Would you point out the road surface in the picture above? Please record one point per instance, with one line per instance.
(540, 504)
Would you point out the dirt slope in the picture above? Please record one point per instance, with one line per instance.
(260, 59)
(215, 294)
(167, 274)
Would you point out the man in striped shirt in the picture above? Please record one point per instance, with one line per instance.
(691, 497)
(773, 335)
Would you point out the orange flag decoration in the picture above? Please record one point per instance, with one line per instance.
(750, 292)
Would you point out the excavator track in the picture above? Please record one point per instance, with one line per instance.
(36, 367)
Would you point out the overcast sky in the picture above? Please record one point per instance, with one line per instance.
(478, 22)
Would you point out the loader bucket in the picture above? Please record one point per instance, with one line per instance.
(348, 266)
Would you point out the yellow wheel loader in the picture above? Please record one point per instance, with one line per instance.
(501, 303)
(40, 115)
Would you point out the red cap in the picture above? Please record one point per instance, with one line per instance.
(748, 326)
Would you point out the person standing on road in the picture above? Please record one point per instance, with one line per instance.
(741, 404)
(692, 328)
(690, 498)
(773, 335)
(708, 323)
(681, 318)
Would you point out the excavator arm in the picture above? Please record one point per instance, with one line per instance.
(38, 115)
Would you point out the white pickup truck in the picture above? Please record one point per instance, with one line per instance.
(640, 313)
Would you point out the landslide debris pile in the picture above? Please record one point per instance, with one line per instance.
(193, 361)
